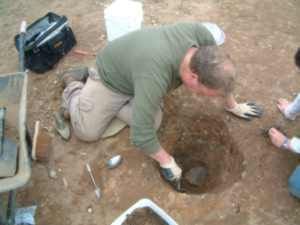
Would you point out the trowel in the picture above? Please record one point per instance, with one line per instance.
(196, 176)
(8, 150)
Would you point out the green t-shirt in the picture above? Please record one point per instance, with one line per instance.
(145, 64)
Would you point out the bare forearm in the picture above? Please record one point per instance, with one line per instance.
(161, 156)
(230, 101)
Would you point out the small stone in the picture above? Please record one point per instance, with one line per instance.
(244, 174)
(244, 163)
(237, 208)
(203, 196)
(171, 197)
(90, 210)
(102, 37)
(65, 182)
(46, 128)
(52, 174)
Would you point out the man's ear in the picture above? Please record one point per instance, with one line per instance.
(194, 76)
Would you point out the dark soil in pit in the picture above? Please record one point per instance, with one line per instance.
(144, 216)
(206, 142)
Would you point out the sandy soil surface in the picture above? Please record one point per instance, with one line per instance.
(262, 37)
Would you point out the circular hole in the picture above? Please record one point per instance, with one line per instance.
(207, 154)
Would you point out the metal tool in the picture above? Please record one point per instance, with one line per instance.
(8, 150)
(97, 189)
(114, 161)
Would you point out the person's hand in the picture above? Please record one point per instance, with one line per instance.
(278, 139)
(246, 110)
(171, 171)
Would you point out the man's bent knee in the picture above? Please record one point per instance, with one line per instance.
(86, 133)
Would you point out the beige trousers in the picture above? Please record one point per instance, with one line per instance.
(92, 107)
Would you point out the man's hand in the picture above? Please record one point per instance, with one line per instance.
(246, 110)
(171, 171)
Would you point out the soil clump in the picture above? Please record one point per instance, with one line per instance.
(145, 216)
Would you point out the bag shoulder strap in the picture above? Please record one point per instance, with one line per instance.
(44, 35)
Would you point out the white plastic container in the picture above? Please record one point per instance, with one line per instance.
(142, 204)
(122, 17)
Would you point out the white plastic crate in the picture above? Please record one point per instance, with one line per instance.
(142, 204)
(122, 17)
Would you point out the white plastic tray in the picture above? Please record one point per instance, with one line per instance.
(142, 204)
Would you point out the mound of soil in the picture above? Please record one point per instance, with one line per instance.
(144, 216)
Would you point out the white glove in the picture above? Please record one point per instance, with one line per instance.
(171, 171)
(246, 110)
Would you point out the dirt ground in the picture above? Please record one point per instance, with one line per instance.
(262, 37)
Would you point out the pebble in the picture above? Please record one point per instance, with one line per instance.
(244, 163)
(52, 174)
(244, 174)
(65, 182)
(236, 208)
(102, 37)
(129, 172)
(171, 198)
(90, 210)
(228, 118)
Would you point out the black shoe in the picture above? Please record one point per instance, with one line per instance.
(77, 74)
(61, 126)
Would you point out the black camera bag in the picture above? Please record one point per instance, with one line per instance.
(47, 40)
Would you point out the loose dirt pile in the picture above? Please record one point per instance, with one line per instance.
(144, 216)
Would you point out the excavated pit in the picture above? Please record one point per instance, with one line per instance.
(206, 142)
